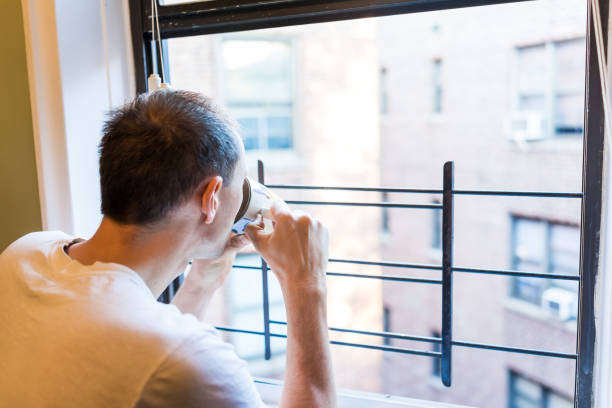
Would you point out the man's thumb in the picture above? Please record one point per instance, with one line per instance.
(255, 234)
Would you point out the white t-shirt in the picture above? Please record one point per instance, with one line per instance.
(95, 336)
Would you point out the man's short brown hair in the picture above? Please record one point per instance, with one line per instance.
(157, 149)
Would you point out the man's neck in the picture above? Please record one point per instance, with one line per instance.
(157, 256)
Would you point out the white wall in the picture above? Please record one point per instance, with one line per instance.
(80, 65)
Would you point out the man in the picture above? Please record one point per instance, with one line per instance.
(81, 324)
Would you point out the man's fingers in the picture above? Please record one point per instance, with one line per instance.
(278, 210)
(238, 241)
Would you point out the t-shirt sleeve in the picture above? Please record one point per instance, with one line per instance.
(203, 371)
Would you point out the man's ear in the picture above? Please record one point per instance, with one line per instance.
(210, 198)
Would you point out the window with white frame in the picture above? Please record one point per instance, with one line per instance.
(257, 87)
(550, 88)
(544, 246)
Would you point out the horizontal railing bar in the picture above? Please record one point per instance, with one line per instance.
(359, 275)
(370, 189)
(517, 273)
(429, 191)
(386, 277)
(343, 343)
(518, 193)
(388, 335)
(533, 352)
(499, 272)
(389, 264)
(393, 349)
(361, 204)
(370, 263)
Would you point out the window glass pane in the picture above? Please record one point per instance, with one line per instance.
(533, 69)
(565, 247)
(532, 103)
(279, 132)
(257, 71)
(524, 393)
(250, 132)
(569, 66)
(569, 115)
(556, 401)
(531, 240)
(341, 76)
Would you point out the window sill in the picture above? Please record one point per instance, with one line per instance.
(270, 391)
(536, 312)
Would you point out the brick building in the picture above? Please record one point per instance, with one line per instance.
(463, 85)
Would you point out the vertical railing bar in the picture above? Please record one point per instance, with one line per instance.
(264, 280)
(447, 274)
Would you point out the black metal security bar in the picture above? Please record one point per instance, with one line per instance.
(446, 268)
(264, 280)
(216, 16)
(447, 272)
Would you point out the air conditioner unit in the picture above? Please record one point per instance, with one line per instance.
(560, 302)
(524, 126)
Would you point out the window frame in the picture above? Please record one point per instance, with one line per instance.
(217, 16)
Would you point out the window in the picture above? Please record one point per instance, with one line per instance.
(351, 152)
(386, 324)
(436, 229)
(524, 393)
(437, 85)
(545, 247)
(385, 214)
(384, 93)
(550, 86)
(257, 87)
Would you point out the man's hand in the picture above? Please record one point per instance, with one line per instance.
(296, 250)
(211, 273)
(205, 277)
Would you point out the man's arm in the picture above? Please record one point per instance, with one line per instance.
(297, 252)
(205, 277)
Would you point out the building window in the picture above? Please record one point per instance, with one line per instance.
(257, 87)
(550, 94)
(544, 246)
(436, 228)
(436, 363)
(437, 85)
(385, 214)
(384, 91)
(386, 324)
(524, 393)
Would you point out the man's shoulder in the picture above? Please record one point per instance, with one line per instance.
(35, 241)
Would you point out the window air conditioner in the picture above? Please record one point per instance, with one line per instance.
(524, 126)
(560, 302)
